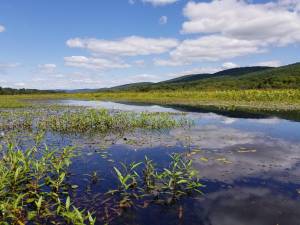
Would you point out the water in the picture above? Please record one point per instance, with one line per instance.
(250, 166)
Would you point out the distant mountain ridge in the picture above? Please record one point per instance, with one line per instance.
(228, 72)
(256, 77)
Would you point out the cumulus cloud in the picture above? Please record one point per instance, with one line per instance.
(128, 46)
(160, 2)
(270, 23)
(2, 28)
(209, 48)
(232, 28)
(94, 63)
(163, 20)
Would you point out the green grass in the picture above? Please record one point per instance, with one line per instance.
(9, 101)
(283, 99)
(288, 99)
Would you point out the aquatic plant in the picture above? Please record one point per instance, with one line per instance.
(127, 185)
(104, 121)
(150, 185)
(179, 180)
(33, 186)
(74, 121)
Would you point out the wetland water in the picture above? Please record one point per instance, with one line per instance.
(250, 167)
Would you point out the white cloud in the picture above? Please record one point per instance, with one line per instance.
(272, 63)
(47, 68)
(168, 62)
(209, 48)
(229, 65)
(2, 28)
(270, 23)
(163, 20)
(293, 5)
(143, 78)
(93, 63)
(232, 28)
(128, 46)
(19, 84)
(200, 70)
(160, 2)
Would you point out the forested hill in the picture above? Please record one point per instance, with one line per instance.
(12, 91)
(232, 79)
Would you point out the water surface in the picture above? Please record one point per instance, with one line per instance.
(250, 166)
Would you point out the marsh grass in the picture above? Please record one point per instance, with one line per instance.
(87, 120)
(103, 121)
(277, 99)
(288, 99)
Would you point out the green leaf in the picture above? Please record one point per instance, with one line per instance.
(119, 173)
(68, 203)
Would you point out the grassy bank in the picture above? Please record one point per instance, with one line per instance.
(253, 99)
(261, 99)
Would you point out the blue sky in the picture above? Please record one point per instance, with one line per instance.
(67, 44)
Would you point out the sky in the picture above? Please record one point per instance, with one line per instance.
(74, 44)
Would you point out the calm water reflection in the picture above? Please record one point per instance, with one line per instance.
(250, 166)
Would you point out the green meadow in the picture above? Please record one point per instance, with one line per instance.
(286, 99)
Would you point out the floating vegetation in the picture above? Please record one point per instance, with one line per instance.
(203, 159)
(223, 160)
(245, 150)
